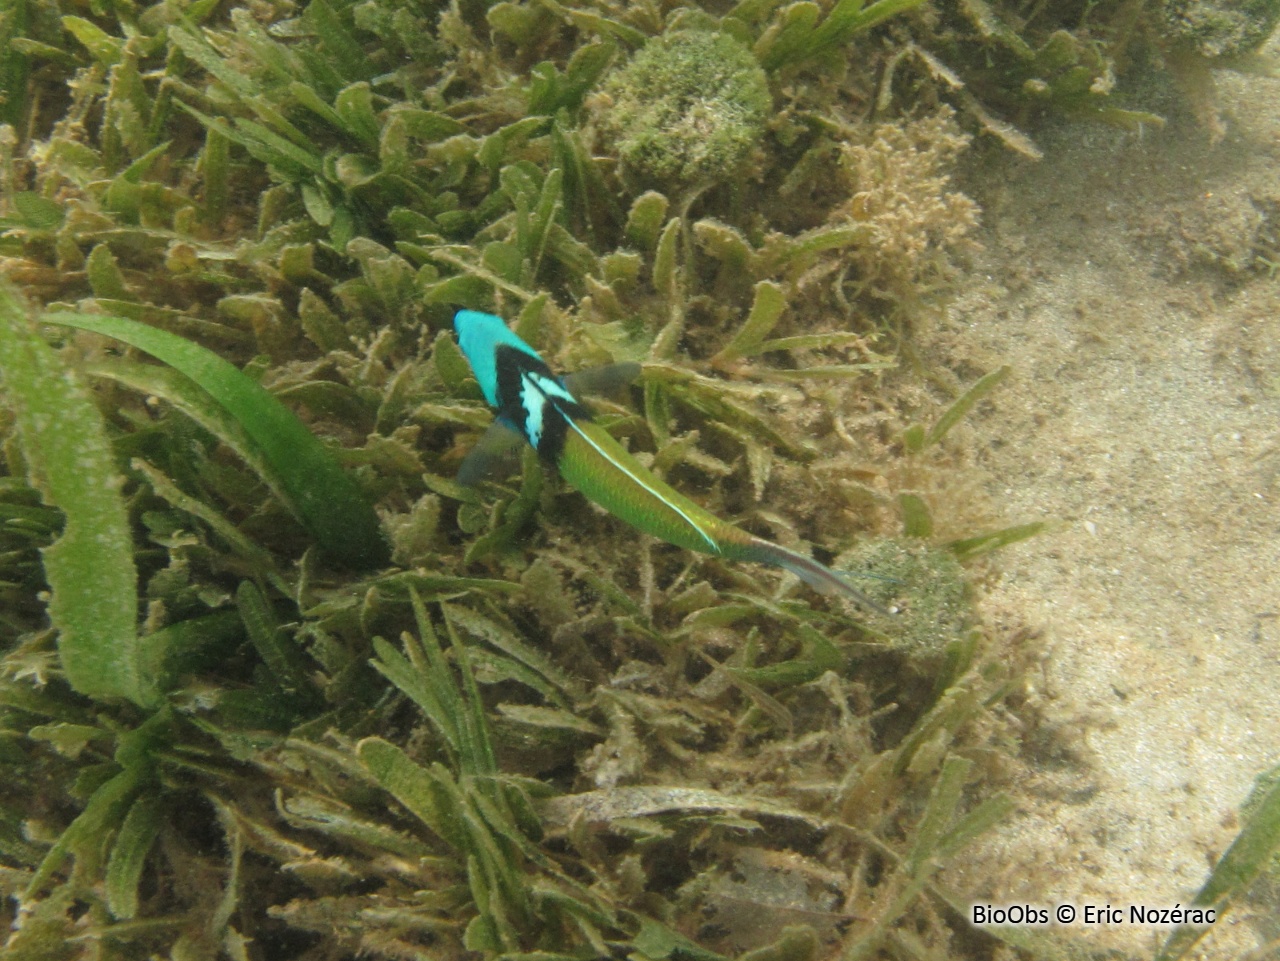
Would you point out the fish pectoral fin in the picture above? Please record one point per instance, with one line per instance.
(496, 455)
(606, 380)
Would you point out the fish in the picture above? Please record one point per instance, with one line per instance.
(534, 405)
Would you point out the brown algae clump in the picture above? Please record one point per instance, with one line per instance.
(686, 109)
(902, 193)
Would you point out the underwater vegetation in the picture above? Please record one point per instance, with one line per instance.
(276, 685)
(686, 109)
(1220, 28)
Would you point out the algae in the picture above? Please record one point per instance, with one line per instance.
(1221, 28)
(686, 110)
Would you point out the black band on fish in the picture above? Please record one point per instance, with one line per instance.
(532, 398)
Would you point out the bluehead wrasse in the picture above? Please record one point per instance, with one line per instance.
(532, 402)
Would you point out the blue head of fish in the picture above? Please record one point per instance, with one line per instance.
(480, 335)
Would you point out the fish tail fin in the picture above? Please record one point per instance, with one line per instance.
(818, 576)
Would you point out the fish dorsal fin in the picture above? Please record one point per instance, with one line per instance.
(606, 380)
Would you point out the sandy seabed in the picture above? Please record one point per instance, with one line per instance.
(1143, 415)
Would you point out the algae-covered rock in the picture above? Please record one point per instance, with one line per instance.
(924, 586)
(1221, 28)
(686, 110)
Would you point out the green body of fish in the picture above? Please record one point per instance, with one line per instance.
(535, 404)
